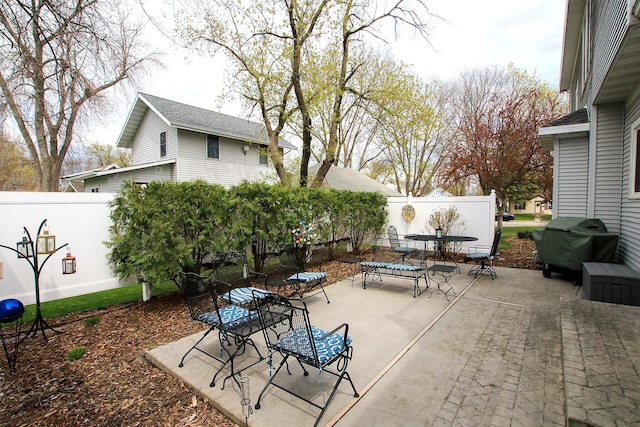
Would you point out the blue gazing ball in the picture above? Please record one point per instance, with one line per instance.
(10, 310)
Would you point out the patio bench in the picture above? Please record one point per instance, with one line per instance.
(372, 269)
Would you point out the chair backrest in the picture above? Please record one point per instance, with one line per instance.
(230, 267)
(496, 241)
(199, 293)
(392, 233)
(286, 327)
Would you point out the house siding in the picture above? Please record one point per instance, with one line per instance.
(571, 169)
(146, 142)
(607, 173)
(230, 169)
(629, 246)
(611, 22)
(113, 183)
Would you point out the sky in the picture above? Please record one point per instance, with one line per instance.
(471, 34)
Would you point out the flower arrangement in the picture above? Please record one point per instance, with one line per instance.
(304, 234)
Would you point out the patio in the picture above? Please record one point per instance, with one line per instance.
(519, 349)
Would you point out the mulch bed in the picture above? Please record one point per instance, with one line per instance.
(112, 384)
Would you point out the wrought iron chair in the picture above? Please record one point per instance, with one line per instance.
(232, 269)
(404, 251)
(483, 256)
(235, 324)
(288, 331)
(295, 276)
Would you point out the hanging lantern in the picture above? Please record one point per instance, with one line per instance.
(68, 263)
(438, 233)
(46, 242)
(24, 247)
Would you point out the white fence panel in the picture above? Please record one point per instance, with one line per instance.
(477, 212)
(80, 219)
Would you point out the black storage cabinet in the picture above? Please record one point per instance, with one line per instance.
(566, 242)
(613, 283)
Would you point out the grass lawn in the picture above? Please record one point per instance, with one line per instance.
(96, 300)
(508, 232)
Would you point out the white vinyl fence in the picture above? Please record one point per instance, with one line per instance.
(79, 219)
(477, 212)
(82, 220)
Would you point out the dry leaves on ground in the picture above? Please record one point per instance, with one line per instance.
(112, 384)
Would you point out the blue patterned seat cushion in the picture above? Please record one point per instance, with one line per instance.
(391, 266)
(405, 249)
(478, 255)
(308, 276)
(242, 296)
(297, 341)
(231, 315)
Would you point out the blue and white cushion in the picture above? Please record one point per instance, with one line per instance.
(391, 266)
(230, 317)
(308, 276)
(242, 296)
(297, 341)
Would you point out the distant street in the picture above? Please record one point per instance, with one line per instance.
(516, 223)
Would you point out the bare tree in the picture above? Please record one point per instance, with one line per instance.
(57, 58)
(274, 45)
(499, 113)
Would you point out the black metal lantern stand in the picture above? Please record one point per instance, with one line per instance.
(29, 250)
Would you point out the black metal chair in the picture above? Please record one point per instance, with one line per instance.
(288, 331)
(295, 276)
(235, 324)
(232, 269)
(404, 251)
(483, 256)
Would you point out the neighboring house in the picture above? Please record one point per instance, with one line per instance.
(595, 148)
(535, 206)
(171, 141)
(439, 192)
(350, 179)
(74, 183)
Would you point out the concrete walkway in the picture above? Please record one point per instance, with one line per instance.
(517, 350)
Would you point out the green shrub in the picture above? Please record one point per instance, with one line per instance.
(75, 353)
(527, 235)
(91, 321)
(164, 228)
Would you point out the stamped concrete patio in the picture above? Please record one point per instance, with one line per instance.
(517, 350)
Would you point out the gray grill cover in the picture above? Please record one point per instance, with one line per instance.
(568, 242)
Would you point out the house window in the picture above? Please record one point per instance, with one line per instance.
(520, 206)
(163, 144)
(635, 160)
(264, 158)
(213, 147)
(95, 190)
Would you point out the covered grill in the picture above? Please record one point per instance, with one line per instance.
(565, 243)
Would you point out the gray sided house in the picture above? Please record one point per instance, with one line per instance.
(171, 141)
(595, 148)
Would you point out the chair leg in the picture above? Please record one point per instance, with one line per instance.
(284, 360)
(195, 346)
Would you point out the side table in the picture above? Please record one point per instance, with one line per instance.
(354, 262)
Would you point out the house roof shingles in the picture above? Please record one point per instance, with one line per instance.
(577, 117)
(350, 179)
(197, 119)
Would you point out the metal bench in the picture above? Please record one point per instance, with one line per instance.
(377, 269)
